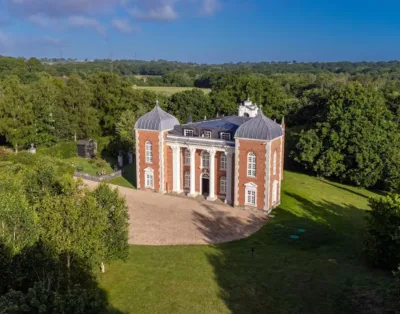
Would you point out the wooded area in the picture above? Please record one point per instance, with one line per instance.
(342, 123)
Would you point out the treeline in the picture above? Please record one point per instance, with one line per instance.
(55, 237)
(340, 126)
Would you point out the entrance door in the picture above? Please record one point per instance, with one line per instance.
(205, 184)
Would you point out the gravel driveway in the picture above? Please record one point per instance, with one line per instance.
(157, 219)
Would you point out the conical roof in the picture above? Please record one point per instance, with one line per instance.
(259, 128)
(156, 120)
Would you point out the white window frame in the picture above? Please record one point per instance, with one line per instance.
(203, 163)
(251, 164)
(187, 157)
(223, 161)
(225, 136)
(222, 185)
(250, 194)
(187, 179)
(149, 178)
(207, 134)
(149, 152)
(274, 164)
(188, 132)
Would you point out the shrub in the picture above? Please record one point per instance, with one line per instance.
(382, 244)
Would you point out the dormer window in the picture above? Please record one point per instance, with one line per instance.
(225, 136)
(188, 132)
(207, 134)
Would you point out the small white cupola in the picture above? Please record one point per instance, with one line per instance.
(248, 109)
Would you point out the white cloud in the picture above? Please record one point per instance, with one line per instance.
(60, 8)
(210, 7)
(86, 22)
(163, 12)
(122, 25)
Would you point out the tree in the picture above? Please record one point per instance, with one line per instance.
(191, 103)
(382, 244)
(115, 235)
(352, 138)
(71, 223)
(76, 99)
(44, 95)
(16, 116)
(18, 220)
(124, 129)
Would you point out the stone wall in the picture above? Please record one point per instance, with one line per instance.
(106, 177)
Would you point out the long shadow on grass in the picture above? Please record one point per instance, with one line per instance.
(321, 271)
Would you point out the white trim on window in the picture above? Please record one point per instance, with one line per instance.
(205, 159)
(274, 192)
(251, 164)
(187, 179)
(223, 162)
(149, 152)
(187, 157)
(207, 134)
(188, 132)
(225, 136)
(274, 164)
(149, 178)
(222, 185)
(250, 194)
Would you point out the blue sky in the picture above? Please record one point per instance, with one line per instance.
(206, 31)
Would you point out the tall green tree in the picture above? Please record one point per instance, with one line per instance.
(18, 220)
(16, 114)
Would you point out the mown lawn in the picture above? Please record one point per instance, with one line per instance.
(320, 272)
(170, 90)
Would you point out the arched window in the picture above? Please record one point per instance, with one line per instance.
(223, 161)
(275, 192)
(187, 157)
(251, 164)
(187, 179)
(222, 186)
(274, 164)
(149, 152)
(205, 159)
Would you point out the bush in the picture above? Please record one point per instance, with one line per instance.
(63, 150)
(382, 244)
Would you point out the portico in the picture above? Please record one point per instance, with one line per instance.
(210, 163)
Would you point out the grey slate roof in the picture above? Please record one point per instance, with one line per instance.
(228, 124)
(157, 120)
(259, 128)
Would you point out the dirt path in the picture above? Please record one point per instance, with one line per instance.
(157, 219)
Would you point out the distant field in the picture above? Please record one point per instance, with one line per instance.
(168, 91)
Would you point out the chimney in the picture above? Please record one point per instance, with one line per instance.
(190, 119)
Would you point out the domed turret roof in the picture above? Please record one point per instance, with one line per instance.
(259, 128)
(157, 120)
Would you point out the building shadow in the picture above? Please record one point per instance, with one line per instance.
(219, 226)
(297, 262)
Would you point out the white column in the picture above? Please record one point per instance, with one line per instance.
(211, 196)
(228, 198)
(176, 160)
(192, 172)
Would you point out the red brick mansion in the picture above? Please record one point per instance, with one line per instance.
(238, 159)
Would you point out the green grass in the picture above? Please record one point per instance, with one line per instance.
(168, 90)
(318, 273)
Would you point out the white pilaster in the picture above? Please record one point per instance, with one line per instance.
(228, 198)
(137, 161)
(267, 175)
(211, 196)
(176, 160)
(192, 172)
